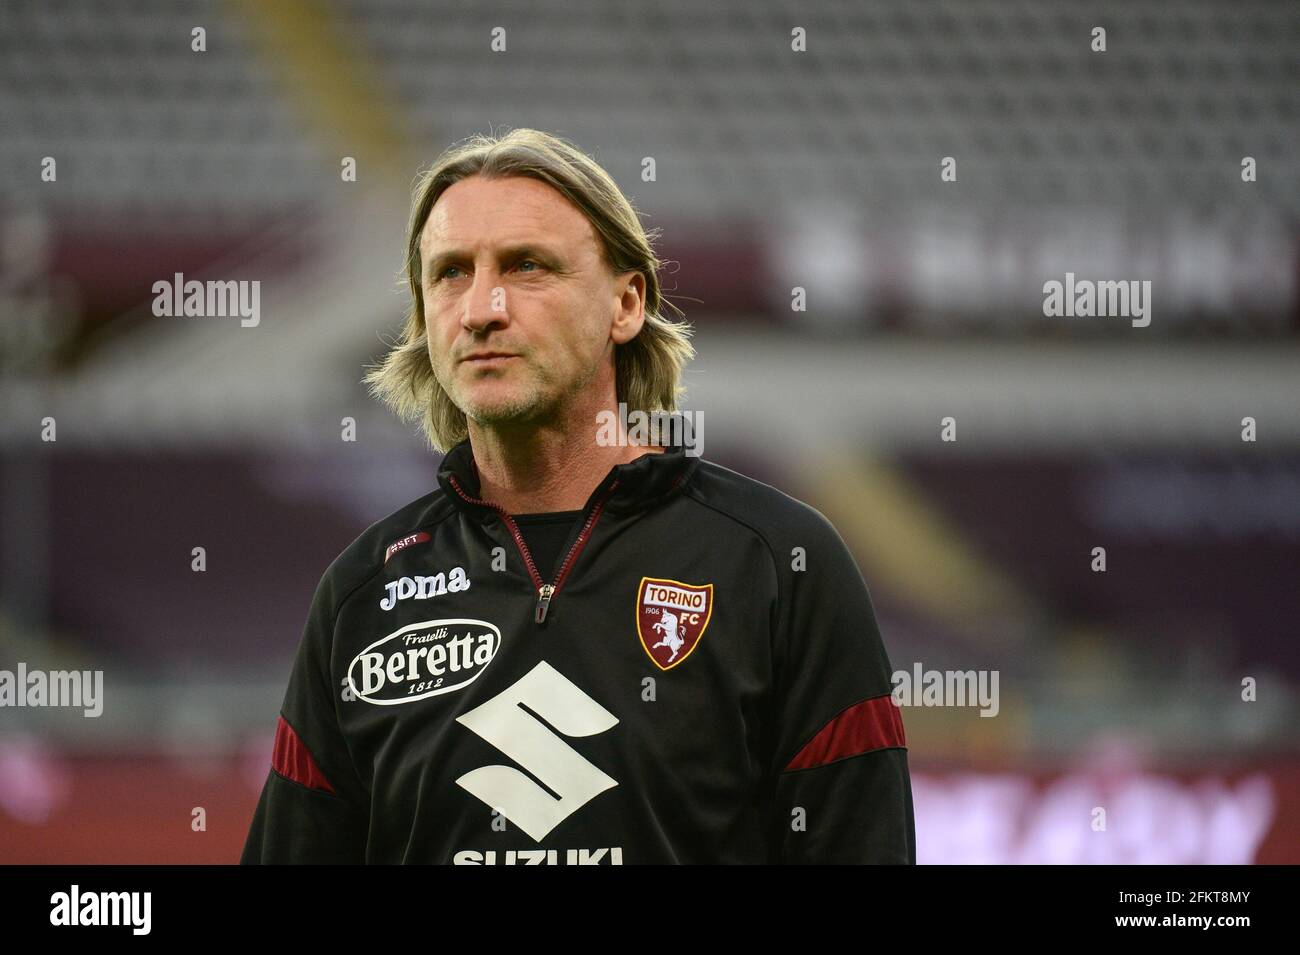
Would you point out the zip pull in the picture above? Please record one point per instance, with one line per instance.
(544, 594)
(544, 591)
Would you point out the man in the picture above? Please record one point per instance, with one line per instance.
(575, 649)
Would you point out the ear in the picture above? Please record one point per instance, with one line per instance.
(629, 313)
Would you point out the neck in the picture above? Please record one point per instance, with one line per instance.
(552, 467)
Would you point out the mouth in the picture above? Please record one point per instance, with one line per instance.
(487, 358)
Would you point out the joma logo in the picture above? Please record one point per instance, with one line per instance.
(422, 588)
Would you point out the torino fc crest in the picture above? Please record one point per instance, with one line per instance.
(671, 617)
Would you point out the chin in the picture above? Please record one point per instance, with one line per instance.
(501, 407)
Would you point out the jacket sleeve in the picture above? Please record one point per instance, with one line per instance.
(842, 791)
(314, 808)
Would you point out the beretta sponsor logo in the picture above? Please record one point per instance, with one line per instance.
(423, 659)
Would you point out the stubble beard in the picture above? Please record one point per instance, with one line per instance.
(522, 403)
(528, 404)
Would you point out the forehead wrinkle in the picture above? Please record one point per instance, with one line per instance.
(537, 226)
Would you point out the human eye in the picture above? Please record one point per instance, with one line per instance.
(525, 262)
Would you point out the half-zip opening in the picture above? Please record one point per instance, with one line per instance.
(545, 592)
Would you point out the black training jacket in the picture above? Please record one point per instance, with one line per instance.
(702, 681)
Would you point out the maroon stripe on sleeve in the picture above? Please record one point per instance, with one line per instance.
(871, 724)
(293, 760)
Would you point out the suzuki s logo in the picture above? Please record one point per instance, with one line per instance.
(538, 748)
(671, 617)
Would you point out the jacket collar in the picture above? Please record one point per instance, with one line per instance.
(638, 485)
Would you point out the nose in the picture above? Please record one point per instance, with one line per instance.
(485, 303)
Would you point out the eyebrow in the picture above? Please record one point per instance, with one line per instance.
(520, 250)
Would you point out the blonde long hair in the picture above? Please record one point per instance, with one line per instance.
(648, 369)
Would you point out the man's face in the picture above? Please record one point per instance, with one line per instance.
(522, 312)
